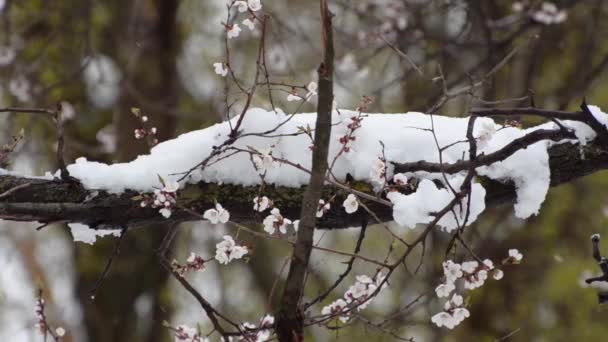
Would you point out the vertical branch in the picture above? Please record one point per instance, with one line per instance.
(290, 318)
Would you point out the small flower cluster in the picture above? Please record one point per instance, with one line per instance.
(251, 333)
(311, 89)
(41, 324)
(145, 131)
(349, 136)
(217, 215)
(548, 14)
(400, 179)
(193, 263)
(228, 250)
(357, 296)
(351, 204)
(234, 30)
(187, 334)
(164, 198)
(474, 275)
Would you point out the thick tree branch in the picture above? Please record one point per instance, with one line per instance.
(62, 201)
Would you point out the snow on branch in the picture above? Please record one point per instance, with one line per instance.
(273, 149)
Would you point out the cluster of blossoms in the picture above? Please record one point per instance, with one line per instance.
(311, 89)
(474, 275)
(251, 333)
(234, 30)
(228, 250)
(357, 296)
(547, 14)
(217, 215)
(348, 137)
(145, 131)
(188, 334)
(193, 263)
(263, 160)
(351, 204)
(41, 324)
(164, 198)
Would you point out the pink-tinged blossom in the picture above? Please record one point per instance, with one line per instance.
(351, 204)
(217, 215)
(184, 333)
(469, 266)
(336, 308)
(233, 31)
(378, 171)
(276, 221)
(400, 179)
(263, 160)
(228, 250)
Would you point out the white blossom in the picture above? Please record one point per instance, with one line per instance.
(488, 264)
(470, 266)
(336, 308)
(263, 160)
(293, 97)
(233, 31)
(549, 14)
(378, 171)
(452, 271)
(219, 214)
(261, 204)
(275, 221)
(221, 69)
(351, 204)
(250, 24)
(515, 255)
(312, 90)
(498, 274)
(443, 319)
(255, 5)
(296, 225)
(60, 331)
(400, 179)
(444, 290)
(241, 6)
(171, 187)
(166, 212)
(228, 250)
(323, 208)
(456, 300)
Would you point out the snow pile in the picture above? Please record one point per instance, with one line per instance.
(406, 138)
(84, 233)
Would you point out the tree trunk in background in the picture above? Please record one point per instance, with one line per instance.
(135, 280)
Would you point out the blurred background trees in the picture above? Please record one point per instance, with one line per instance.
(102, 58)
